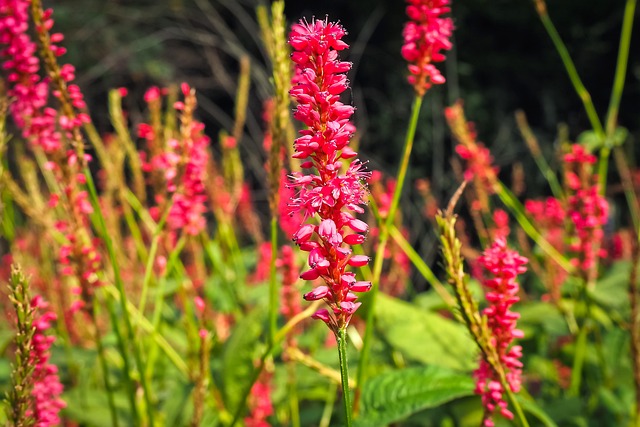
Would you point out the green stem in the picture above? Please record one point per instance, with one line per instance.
(273, 282)
(382, 243)
(104, 367)
(152, 351)
(294, 405)
(579, 87)
(517, 407)
(123, 297)
(578, 361)
(325, 421)
(422, 266)
(616, 93)
(621, 67)
(148, 271)
(267, 353)
(517, 209)
(341, 336)
(147, 327)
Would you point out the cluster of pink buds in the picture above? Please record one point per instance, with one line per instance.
(41, 125)
(46, 384)
(549, 216)
(426, 35)
(182, 163)
(588, 210)
(331, 195)
(504, 266)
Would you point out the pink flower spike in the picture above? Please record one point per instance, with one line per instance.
(426, 35)
(334, 195)
(504, 265)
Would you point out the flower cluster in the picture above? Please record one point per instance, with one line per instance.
(330, 194)
(41, 125)
(260, 403)
(183, 163)
(504, 266)
(393, 280)
(426, 35)
(53, 131)
(46, 384)
(479, 161)
(586, 208)
(549, 216)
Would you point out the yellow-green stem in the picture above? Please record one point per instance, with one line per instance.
(273, 282)
(267, 353)
(516, 208)
(579, 87)
(104, 367)
(93, 194)
(341, 336)
(516, 406)
(616, 92)
(382, 243)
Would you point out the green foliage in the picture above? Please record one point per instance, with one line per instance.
(423, 336)
(393, 396)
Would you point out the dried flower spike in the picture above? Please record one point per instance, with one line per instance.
(330, 195)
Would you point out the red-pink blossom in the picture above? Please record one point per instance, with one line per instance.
(332, 194)
(260, 404)
(46, 385)
(586, 208)
(182, 163)
(501, 292)
(51, 130)
(426, 35)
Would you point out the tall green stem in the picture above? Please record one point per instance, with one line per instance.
(267, 353)
(104, 367)
(273, 282)
(382, 243)
(579, 87)
(517, 407)
(123, 297)
(616, 92)
(344, 373)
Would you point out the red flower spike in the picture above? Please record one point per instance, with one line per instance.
(504, 266)
(426, 35)
(331, 194)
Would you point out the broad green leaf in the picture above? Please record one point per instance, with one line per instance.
(393, 396)
(238, 358)
(611, 291)
(541, 315)
(424, 336)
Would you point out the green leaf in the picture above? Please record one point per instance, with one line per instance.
(542, 315)
(424, 337)
(619, 136)
(611, 291)
(238, 357)
(90, 407)
(590, 140)
(393, 396)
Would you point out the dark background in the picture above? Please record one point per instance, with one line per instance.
(503, 60)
